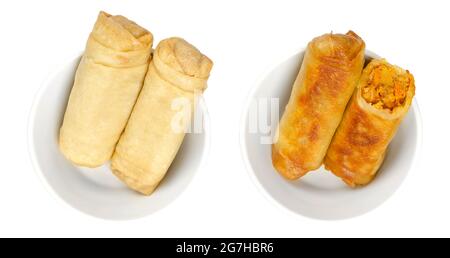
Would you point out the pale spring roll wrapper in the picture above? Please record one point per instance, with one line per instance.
(149, 143)
(328, 76)
(380, 102)
(107, 83)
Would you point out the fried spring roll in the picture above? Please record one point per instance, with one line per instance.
(380, 102)
(329, 73)
(150, 142)
(107, 83)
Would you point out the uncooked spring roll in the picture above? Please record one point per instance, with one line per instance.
(329, 73)
(380, 102)
(150, 142)
(107, 83)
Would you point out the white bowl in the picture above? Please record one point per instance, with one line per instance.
(98, 192)
(320, 194)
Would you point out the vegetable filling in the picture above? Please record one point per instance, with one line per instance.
(386, 88)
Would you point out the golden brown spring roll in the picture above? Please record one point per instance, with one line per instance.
(150, 142)
(380, 102)
(329, 73)
(107, 84)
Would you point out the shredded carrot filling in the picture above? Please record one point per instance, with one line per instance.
(386, 88)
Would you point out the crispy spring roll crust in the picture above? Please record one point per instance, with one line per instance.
(359, 145)
(331, 67)
(148, 145)
(107, 83)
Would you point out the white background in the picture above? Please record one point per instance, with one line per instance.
(243, 38)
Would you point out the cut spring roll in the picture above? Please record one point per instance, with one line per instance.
(107, 84)
(380, 102)
(150, 142)
(329, 73)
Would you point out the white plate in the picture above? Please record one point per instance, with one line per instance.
(320, 194)
(98, 192)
